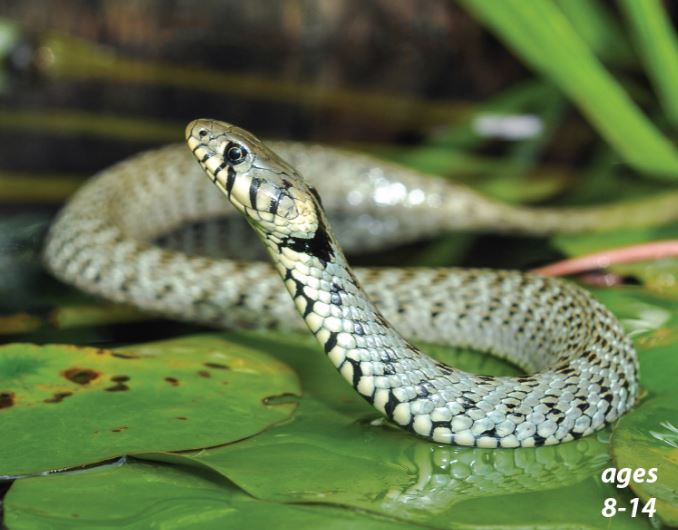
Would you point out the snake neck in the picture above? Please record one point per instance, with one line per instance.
(417, 392)
(387, 371)
(332, 303)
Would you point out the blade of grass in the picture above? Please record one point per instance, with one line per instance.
(544, 38)
(599, 29)
(658, 48)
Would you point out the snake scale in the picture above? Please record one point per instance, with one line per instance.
(582, 369)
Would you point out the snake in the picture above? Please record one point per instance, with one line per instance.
(581, 370)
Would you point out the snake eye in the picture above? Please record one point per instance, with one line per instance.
(235, 153)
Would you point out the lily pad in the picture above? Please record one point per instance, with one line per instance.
(337, 450)
(64, 406)
(648, 438)
(142, 495)
(324, 457)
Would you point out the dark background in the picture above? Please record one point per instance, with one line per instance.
(413, 50)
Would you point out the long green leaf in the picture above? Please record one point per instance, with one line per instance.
(544, 38)
(599, 29)
(658, 48)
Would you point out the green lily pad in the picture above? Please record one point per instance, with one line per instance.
(139, 495)
(64, 406)
(324, 457)
(648, 438)
(337, 450)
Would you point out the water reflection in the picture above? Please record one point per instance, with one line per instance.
(669, 434)
(447, 475)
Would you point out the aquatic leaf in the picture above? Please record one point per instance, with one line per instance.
(659, 276)
(337, 450)
(648, 438)
(597, 25)
(143, 495)
(325, 457)
(111, 126)
(25, 188)
(64, 406)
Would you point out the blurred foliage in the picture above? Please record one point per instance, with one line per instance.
(658, 47)
(544, 38)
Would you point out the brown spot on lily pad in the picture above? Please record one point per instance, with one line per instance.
(280, 399)
(81, 376)
(119, 385)
(124, 355)
(58, 397)
(172, 381)
(204, 373)
(119, 429)
(182, 418)
(6, 399)
(217, 366)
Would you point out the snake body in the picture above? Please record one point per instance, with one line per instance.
(582, 368)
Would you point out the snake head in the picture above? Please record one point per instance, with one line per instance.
(265, 188)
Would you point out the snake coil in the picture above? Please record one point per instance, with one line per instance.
(582, 368)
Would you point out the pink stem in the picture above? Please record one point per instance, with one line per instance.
(600, 260)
